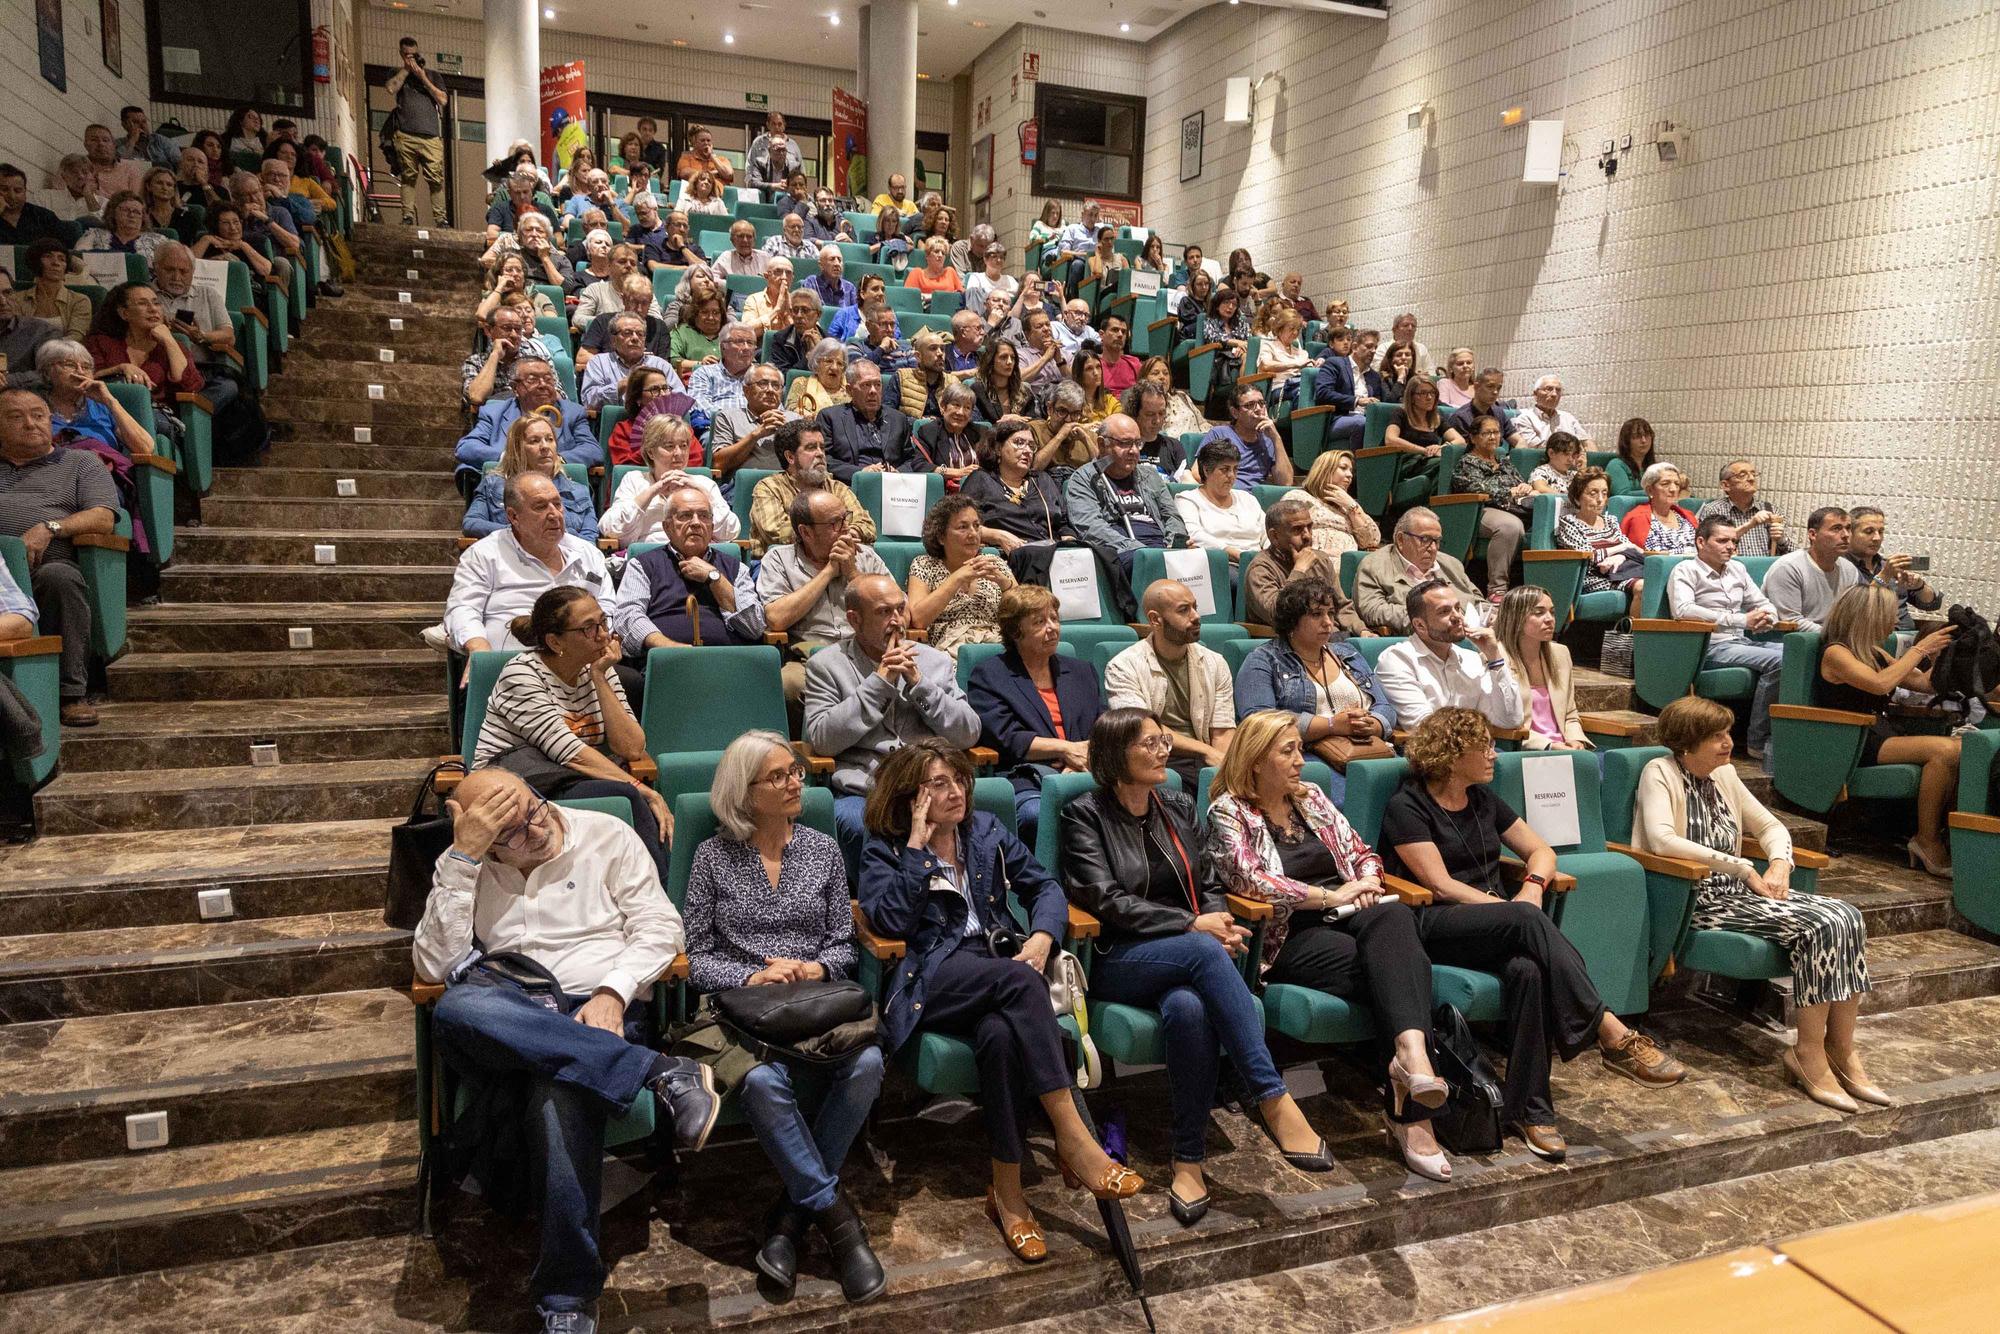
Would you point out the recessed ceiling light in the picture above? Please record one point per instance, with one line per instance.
(980, 23)
(548, 13)
(922, 75)
(677, 41)
(729, 39)
(833, 19)
(1124, 27)
(397, 4)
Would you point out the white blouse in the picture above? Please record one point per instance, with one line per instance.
(1215, 528)
(652, 521)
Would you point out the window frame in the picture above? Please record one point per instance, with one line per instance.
(155, 69)
(1041, 186)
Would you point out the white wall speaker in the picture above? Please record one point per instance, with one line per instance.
(1545, 152)
(1236, 102)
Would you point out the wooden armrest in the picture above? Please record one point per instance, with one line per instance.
(1803, 858)
(1676, 867)
(157, 462)
(31, 648)
(109, 541)
(882, 947)
(1399, 737)
(982, 757)
(1082, 926)
(1457, 498)
(1507, 733)
(1563, 555)
(1200, 348)
(1250, 910)
(918, 635)
(645, 769)
(1559, 883)
(256, 315)
(1973, 823)
(1643, 627)
(1256, 631)
(1409, 891)
(1802, 713)
(201, 401)
(447, 780)
(1378, 451)
(424, 993)
(1167, 323)
(817, 765)
(1609, 724)
(1783, 628)
(677, 971)
(234, 356)
(466, 542)
(603, 544)
(1261, 377)
(1316, 410)
(777, 638)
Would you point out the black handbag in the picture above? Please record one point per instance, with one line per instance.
(414, 847)
(1469, 1121)
(821, 1022)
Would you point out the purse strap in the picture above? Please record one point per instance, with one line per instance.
(428, 788)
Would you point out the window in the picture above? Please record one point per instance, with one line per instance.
(232, 53)
(1091, 143)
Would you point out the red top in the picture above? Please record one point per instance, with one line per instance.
(624, 449)
(1048, 694)
(108, 351)
(1638, 522)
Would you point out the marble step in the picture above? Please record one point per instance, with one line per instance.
(680, 1254)
(411, 405)
(402, 381)
(87, 882)
(433, 484)
(286, 434)
(351, 459)
(414, 344)
(252, 679)
(236, 1071)
(1921, 968)
(356, 332)
(305, 583)
(1893, 900)
(351, 513)
(392, 235)
(204, 1202)
(239, 794)
(120, 969)
(386, 301)
(216, 545)
(199, 734)
(252, 627)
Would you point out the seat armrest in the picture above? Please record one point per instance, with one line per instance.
(109, 541)
(424, 993)
(645, 769)
(677, 971)
(607, 544)
(881, 947)
(1535, 557)
(1803, 858)
(1803, 713)
(982, 757)
(447, 780)
(1316, 410)
(158, 462)
(1508, 733)
(1649, 626)
(1653, 861)
(819, 766)
(1250, 910)
(1617, 724)
(201, 401)
(777, 638)
(1974, 823)
(1409, 891)
(1256, 631)
(1199, 348)
(36, 647)
(1083, 926)
(1457, 498)
(1560, 883)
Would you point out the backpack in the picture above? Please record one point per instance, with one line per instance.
(392, 157)
(1968, 667)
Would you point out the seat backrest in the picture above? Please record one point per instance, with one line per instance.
(486, 665)
(137, 400)
(868, 490)
(1527, 458)
(1370, 783)
(995, 795)
(1618, 788)
(1149, 566)
(1372, 647)
(1099, 644)
(743, 486)
(1058, 791)
(1376, 424)
(15, 553)
(1653, 601)
(1758, 566)
(906, 298)
(1316, 772)
(1798, 677)
(1508, 776)
(1350, 569)
(695, 823)
(1234, 651)
(608, 417)
(618, 808)
(1447, 467)
(665, 283)
(739, 684)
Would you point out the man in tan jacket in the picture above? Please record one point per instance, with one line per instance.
(1387, 574)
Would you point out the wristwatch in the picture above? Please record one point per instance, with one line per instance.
(714, 575)
(54, 526)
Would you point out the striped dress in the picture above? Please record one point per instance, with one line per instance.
(532, 706)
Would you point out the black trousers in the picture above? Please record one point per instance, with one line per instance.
(1550, 999)
(63, 598)
(1373, 956)
(1003, 1009)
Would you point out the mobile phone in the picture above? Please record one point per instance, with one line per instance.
(1919, 565)
(184, 316)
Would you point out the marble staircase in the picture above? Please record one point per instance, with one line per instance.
(277, 1044)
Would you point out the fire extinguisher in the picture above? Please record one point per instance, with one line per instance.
(322, 55)
(1031, 139)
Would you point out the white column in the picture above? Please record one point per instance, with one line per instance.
(890, 61)
(513, 76)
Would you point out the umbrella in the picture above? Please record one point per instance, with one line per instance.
(1117, 1230)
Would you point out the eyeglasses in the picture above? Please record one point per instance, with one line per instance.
(518, 835)
(949, 783)
(593, 627)
(1154, 745)
(784, 778)
(1423, 539)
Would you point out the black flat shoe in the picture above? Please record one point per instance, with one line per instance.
(1187, 1212)
(1319, 1160)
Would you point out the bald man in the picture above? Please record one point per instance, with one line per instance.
(549, 928)
(1117, 502)
(1185, 684)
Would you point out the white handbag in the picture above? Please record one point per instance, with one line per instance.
(1066, 987)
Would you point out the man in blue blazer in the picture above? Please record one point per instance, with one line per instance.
(535, 386)
(1014, 719)
(1334, 387)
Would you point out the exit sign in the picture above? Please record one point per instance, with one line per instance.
(756, 99)
(451, 60)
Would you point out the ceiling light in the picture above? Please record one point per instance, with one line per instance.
(729, 39)
(548, 13)
(833, 19)
(980, 23)
(398, 4)
(677, 41)
(1124, 27)
(920, 73)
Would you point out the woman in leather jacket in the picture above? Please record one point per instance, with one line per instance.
(1134, 855)
(937, 873)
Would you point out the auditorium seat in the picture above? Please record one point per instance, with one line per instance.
(1816, 752)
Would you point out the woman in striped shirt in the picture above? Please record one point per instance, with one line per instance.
(557, 705)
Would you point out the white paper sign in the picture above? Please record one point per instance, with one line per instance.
(106, 268)
(1073, 578)
(1145, 283)
(1548, 790)
(903, 503)
(1191, 568)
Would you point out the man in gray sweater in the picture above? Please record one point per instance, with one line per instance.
(1803, 584)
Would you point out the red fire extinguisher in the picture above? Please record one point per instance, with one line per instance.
(322, 55)
(1031, 139)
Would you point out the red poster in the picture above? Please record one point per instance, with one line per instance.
(850, 144)
(1120, 212)
(563, 130)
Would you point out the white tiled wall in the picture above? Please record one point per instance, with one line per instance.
(1814, 286)
(38, 124)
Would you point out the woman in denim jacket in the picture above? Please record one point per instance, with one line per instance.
(1323, 682)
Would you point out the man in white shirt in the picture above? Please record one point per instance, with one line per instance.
(1538, 423)
(76, 193)
(1073, 332)
(549, 928)
(1430, 670)
(1183, 682)
(1802, 585)
(1714, 587)
(500, 576)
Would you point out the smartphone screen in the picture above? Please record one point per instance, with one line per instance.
(1920, 564)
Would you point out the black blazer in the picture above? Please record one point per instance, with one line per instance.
(1012, 715)
(1105, 870)
(849, 449)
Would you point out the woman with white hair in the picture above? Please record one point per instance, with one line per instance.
(826, 386)
(638, 512)
(79, 402)
(767, 905)
(1662, 524)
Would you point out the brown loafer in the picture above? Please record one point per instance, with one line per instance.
(1638, 1059)
(1545, 1142)
(79, 713)
(1024, 1239)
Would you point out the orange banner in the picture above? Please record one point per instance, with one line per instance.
(563, 129)
(850, 145)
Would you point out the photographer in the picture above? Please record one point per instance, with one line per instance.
(1901, 572)
(419, 140)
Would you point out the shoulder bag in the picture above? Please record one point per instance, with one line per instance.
(821, 1022)
(414, 847)
(1469, 1122)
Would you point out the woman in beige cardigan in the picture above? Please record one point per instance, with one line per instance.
(1692, 806)
(1526, 628)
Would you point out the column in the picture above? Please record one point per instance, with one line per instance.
(513, 77)
(861, 53)
(889, 65)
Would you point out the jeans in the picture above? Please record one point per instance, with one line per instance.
(1202, 1000)
(847, 827)
(577, 1077)
(808, 1157)
(1027, 813)
(1346, 432)
(1761, 658)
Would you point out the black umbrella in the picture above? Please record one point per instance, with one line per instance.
(1117, 1229)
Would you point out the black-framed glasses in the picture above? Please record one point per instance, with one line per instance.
(1424, 539)
(593, 627)
(518, 835)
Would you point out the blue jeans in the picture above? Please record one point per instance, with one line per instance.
(1027, 813)
(1346, 432)
(850, 832)
(577, 1077)
(1202, 1000)
(808, 1157)
(1761, 658)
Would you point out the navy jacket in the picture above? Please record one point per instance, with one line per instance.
(849, 449)
(897, 899)
(576, 442)
(1333, 387)
(1012, 715)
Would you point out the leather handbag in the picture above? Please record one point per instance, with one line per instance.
(821, 1022)
(414, 847)
(1469, 1121)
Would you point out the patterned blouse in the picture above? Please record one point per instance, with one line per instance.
(973, 614)
(735, 920)
(1493, 478)
(1244, 854)
(1602, 540)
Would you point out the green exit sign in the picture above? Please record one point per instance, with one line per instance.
(757, 99)
(451, 60)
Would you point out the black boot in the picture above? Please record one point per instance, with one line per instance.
(785, 1226)
(861, 1275)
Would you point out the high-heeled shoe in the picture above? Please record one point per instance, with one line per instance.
(1433, 1165)
(1117, 1183)
(1424, 1090)
(1861, 1090)
(1024, 1239)
(1825, 1097)
(1915, 851)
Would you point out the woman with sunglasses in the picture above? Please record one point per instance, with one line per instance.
(557, 706)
